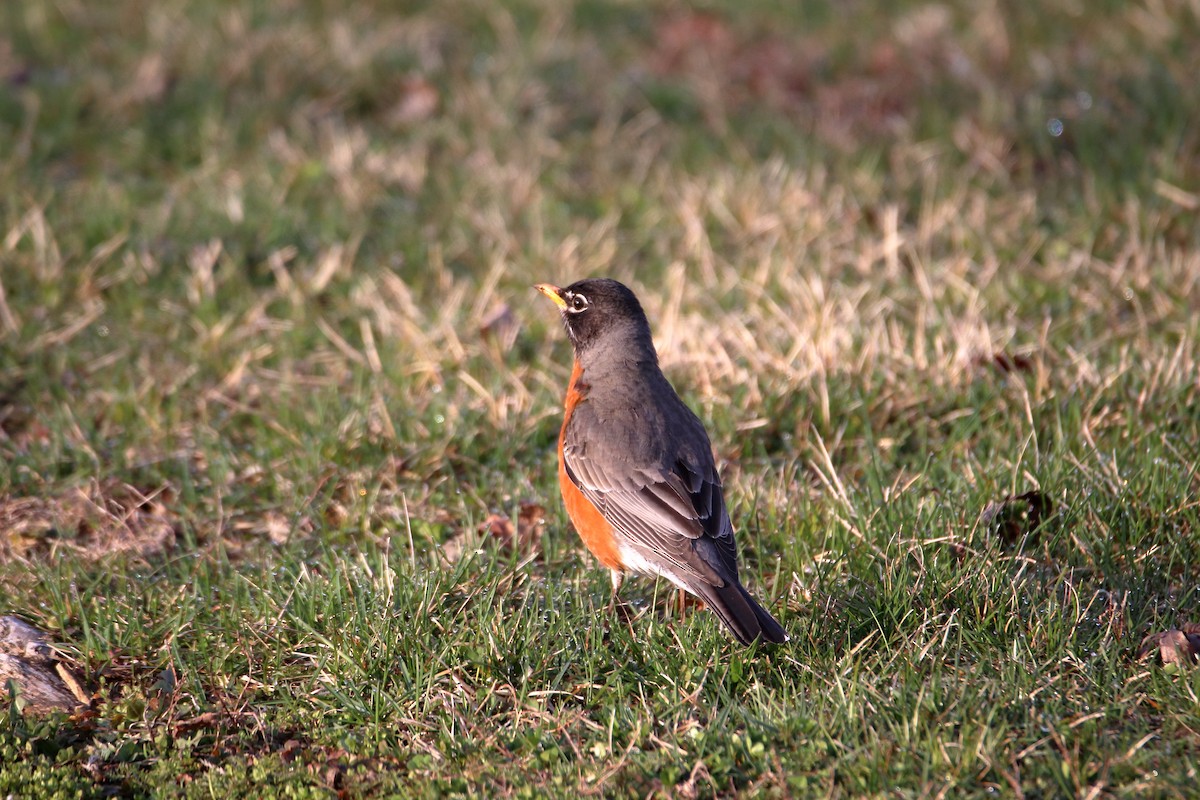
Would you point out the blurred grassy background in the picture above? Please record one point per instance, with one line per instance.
(268, 345)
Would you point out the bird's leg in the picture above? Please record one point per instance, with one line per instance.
(618, 577)
(615, 606)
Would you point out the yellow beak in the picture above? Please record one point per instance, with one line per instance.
(553, 292)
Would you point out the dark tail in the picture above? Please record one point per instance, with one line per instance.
(744, 617)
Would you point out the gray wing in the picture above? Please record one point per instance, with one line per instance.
(669, 506)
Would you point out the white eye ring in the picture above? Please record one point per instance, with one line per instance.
(576, 303)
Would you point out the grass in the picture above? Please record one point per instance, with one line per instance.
(268, 351)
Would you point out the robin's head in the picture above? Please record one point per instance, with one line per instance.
(602, 313)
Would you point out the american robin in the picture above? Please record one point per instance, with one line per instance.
(635, 465)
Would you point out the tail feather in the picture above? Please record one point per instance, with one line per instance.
(742, 615)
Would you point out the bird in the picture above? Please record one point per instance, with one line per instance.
(635, 465)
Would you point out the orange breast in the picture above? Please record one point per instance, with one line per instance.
(593, 528)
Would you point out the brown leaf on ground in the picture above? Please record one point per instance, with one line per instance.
(417, 100)
(498, 526)
(101, 518)
(531, 521)
(290, 750)
(1016, 518)
(1176, 646)
(462, 541)
(523, 536)
(1004, 361)
(277, 527)
(273, 525)
(44, 681)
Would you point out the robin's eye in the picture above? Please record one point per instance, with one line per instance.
(577, 303)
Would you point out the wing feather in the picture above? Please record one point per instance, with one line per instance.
(676, 514)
